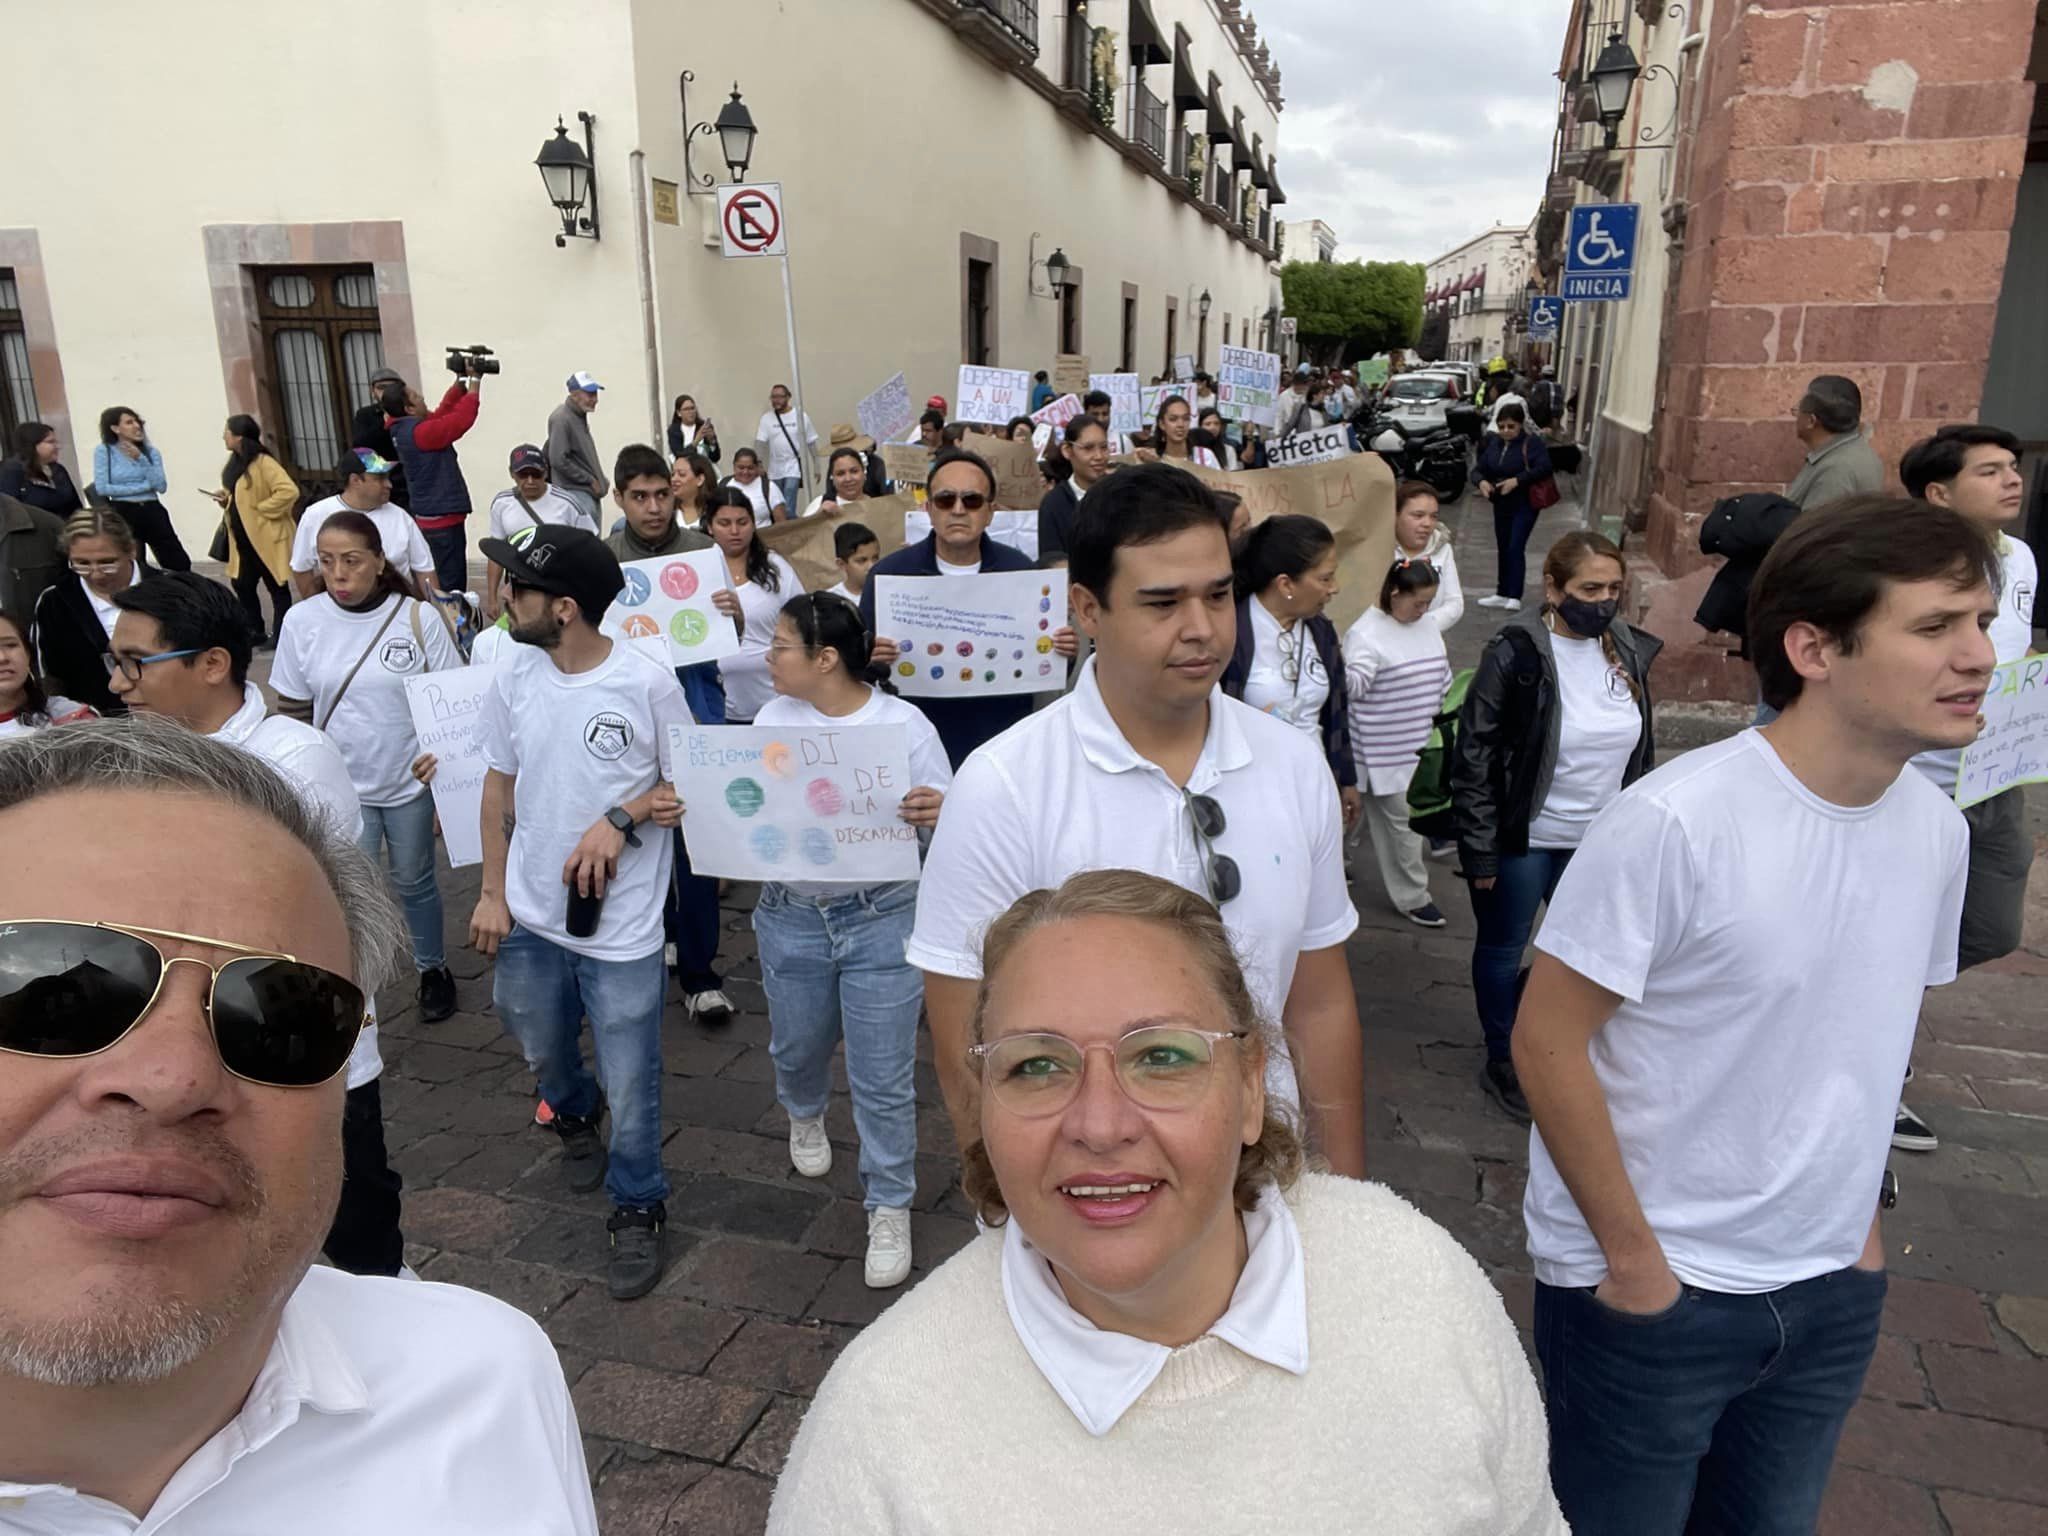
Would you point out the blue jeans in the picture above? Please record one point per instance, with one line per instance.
(833, 966)
(450, 549)
(791, 489)
(408, 831)
(543, 992)
(1720, 1413)
(1507, 916)
(1513, 521)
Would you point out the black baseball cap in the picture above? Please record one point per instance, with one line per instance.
(567, 562)
(527, 456)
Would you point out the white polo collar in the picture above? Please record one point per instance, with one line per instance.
(241, 725)
(1224, 748)
(1098, 1375)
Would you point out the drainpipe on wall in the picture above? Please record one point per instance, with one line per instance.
(643, 261)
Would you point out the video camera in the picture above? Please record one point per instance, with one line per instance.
(471, 362)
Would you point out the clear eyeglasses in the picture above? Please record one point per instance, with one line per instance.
(1158, 1066)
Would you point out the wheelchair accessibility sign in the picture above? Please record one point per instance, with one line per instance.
(1600, 251)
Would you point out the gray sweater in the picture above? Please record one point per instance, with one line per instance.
(572, 455)
(1842, 466)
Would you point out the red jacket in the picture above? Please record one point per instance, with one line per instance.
(426, 446)
(441, 426)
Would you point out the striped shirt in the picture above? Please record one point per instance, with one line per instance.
(1397, 674)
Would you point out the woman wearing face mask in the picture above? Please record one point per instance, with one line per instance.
(689, 432)
(1168, 1325)
(1512, 462)
(342, 660)
(25, 704)
(763, 495)
(846, 480)
(832, 954)
(1288, 661)
(1418, 535)
(762, 581)
(1555, 723)
(75, 617)
(1395, 671)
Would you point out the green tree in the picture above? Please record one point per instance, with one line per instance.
(1349, 309)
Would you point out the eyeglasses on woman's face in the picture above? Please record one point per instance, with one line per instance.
(1162, 1067)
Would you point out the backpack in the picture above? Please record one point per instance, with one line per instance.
(1429, 791)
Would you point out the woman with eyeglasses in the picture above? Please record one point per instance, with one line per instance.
(34, 474)
(128, 470)
(762, 581)
(832, 953)
(1288, 661)
(74, 622)
(257, 498)
(1196, 1333)
(25, 705)
(688, 432)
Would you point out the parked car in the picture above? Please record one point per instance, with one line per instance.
(1421, 401)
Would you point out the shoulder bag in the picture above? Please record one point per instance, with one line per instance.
(339, 693)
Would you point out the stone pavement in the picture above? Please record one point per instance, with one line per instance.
(689, 1398)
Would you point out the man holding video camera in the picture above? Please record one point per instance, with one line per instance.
(426, 447)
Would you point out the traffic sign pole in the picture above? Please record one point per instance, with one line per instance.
(805, 453)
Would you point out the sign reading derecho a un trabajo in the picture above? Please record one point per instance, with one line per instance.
(1248, 386)
(2013, 746)
(446, 709)
(670, 596)
(992, 394)
(796, 803)
(973, 636)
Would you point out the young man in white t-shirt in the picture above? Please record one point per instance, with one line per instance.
(530, 502)
(788, 441)
(1721, 1007)
(1147, 764)
(575, 738)
(1976, 471)
(366, 488)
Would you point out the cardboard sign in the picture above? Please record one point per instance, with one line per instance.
(1317, 447)
(1059, 412)
(1070, 373)
(906, 463)
(1125, 414)
(2013, 746)
(807, 543)
(1184, 367)
(1019, 483)
(1019, 530)
(992, 394)
(446, 709)
(670, 596)
(796, 802)
(1247, 385)
(962, 637)
(886, 414)
(1354, 495)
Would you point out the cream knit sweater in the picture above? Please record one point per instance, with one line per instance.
(1418, 1415)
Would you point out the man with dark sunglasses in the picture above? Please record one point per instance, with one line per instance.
(1148, 765)
(185, 950)
(180, 651)
(961, 497)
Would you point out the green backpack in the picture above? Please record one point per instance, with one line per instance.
(1429, 792)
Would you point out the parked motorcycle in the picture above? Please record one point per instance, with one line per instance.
(1440, 457)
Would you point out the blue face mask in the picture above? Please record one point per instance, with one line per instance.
(1587, 620)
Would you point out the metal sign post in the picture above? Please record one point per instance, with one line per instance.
(750, 223)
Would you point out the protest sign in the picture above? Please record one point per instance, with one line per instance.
(1247, 384)
(1070, 373)
(1019, 530)
(886, 415)
(906, 463)
(1148, 403)
(446, 710)
(1057, 414)
(974, 636)
(671, 595)
(1316, 447)
(1019, 483)
(2013, 746)
(1354, 495)
(1184, 367)
(1373, 370)
(796, 802)
(1122, 389)
(992, 394)
(807, 543)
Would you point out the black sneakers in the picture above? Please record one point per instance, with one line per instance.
(437, 995)
(1912, 1134)
(583, 1155)
(639, 1249)
(1505, 1089)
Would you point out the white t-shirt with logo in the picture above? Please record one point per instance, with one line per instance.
(2012, 633)
(404, 546)
(512, 513)
(318, 647)
(1770, 949)
(782, 460)
(747, 687)
(578, 744)
(1276, 653)
(1599, 724)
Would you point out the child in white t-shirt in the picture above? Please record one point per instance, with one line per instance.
(855, 549)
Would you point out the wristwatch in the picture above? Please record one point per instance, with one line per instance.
(619, 817)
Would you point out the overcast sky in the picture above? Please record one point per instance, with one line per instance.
(1410, 128)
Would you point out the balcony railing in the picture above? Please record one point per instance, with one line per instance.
(1148, 123)
(1080, 44)
(1017, 17)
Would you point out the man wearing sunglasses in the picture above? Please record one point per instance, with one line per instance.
(186, 951)
(961, 497)
(180, 651)
(1148, 765)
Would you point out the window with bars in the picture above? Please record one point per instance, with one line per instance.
(321, 343)
(17, 384)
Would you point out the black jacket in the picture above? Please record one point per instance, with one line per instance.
(1742, 530)
(1508, 734)
(1057, 510)
(70, 645)
(59, 496)
(1335, 717)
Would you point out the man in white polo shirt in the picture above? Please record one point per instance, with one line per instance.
(171, 1360)
(366, 488)
(1721, 1007)
(1148, 765)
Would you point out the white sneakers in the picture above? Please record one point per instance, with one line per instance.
(888, 1261)
(1496, 601)
(809, 1149)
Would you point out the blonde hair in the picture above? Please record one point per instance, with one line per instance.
(1277, 1156)
(1566, 559)
(99, 523)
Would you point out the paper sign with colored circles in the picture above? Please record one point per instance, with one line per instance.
(796, 803)
(965, 637)
(670, 597)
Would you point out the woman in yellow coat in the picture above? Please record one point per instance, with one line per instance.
(258, 498)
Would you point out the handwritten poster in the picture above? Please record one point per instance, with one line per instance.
(2013, 746)
(1148, 403)
(1184, 366)
(446, 707)
(1059, 412)
(796, 803)
(992, 394)
(1317, 447)
(1247, 385)
(961, 637)
(1019, 530)
(886, 415)
(1354, 495)
(1070, 373)
(809, 542)
(670, 595)
(1125, 415)
(906, 463)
